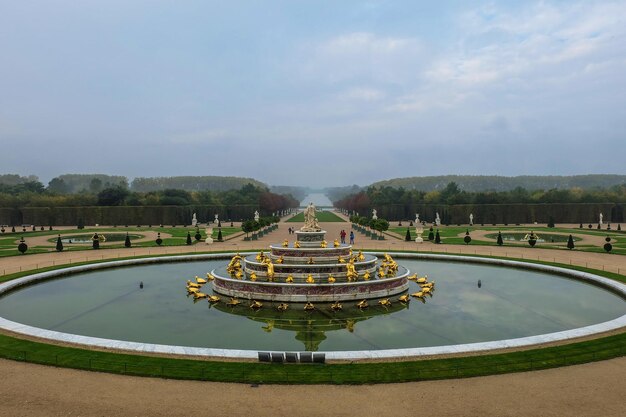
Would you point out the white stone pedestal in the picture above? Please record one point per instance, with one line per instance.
(208, 240)
(419, 239)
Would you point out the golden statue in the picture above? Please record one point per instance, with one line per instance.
(310, 279)
(361, 257)
(309, 306)
(296, 244)
(289, 279)
(323, 244)
(404, 298)
(366, 276)
(234, 264)
(351, 274)
(282, 306)
(280, 260)
(213, 299)
(385, 302)
(270, 268)
(253, 277)
(310, 261)
(381, 272)
(336, 243)
(341, 260)
(285, 243)
(331, 279)
(256, 304)
(260, 256)
(310, 220)
(362, 304)
(336, 306)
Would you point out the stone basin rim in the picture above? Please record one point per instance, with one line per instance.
(615, 287)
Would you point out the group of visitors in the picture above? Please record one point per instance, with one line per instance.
(343, 235)
(291, 230)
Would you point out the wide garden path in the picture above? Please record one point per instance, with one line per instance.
(594, 389)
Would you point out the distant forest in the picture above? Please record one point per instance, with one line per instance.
(74, 190)
(477, 183)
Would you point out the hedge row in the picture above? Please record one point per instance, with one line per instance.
(122, 215)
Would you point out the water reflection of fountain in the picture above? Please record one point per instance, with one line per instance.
(310, 327)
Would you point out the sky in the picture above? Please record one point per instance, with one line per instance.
(313, 93)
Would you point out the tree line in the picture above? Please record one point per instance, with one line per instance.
(451, 194)
(34, 194)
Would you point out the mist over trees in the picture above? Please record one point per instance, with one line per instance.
(499, 183)
(192, 183)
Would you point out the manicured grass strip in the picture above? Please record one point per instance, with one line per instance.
(353, 373)
(322, 216)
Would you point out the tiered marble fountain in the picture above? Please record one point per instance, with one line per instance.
(310, 270)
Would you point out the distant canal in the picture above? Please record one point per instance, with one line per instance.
(319, 199)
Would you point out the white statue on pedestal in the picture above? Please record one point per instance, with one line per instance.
(310, 220)
(418, 232)
(471, 219)
(209, 233)
(194, 220)
(601, 216)
(437, 219)
(417, 219)
(216, 221)
(374, 216)
(256, 216)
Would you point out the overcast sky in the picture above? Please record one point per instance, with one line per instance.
(317, 93)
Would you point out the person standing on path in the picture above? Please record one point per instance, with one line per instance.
(342, 235)
(351, 237)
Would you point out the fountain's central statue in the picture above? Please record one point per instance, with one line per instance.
(310, 220)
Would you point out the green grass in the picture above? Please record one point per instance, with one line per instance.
(344, 373)
(322, 216)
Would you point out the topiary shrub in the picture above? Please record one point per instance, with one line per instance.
(408, 235)
(220, 238)
(188, 238)
(570, 242)
(437, 237)
(532, 239)
(22, 247)
(80, 224)
(158, 240)
(581, 226)
(619, 227)
(127, 241)
(607, 246)
(59, 246)
(12, 229)
(95, 241)
(431, 234)
(500, 242)
(467, 239)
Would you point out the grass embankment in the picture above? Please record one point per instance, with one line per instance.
(342, 373)
(322, 216)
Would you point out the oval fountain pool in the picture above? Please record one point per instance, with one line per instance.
(509, 304)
